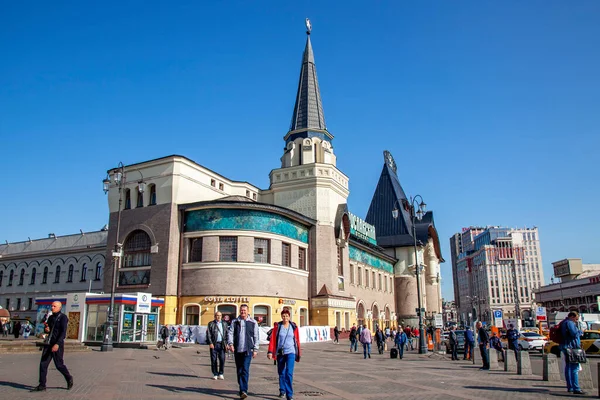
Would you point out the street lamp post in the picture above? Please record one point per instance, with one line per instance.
(418, 215)
(119, 179)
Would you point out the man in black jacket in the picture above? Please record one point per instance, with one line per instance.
(216, 337)
(54, 347)
(483, 339)
(453, 342)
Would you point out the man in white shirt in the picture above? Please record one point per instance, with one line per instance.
(243, 343)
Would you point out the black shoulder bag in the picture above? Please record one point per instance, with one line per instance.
(576, 356)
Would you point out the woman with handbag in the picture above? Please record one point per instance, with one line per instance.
(572, 351)
(285, 343)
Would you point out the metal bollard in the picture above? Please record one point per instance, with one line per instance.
(551, 370)
(524, 363)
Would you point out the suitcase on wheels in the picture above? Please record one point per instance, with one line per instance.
(394, 353)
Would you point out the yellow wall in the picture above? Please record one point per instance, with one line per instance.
(168, 314)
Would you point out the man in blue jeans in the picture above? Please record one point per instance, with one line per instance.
(242, 340)
(571, 335)
(469, 343)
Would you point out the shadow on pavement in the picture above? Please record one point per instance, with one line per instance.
(173, 374)
(508, 389)
(224, 393)
(16, 385)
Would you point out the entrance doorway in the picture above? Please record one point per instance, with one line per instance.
(136, 327)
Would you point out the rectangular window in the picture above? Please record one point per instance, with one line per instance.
(302, 258)
(340, 261)
(379, 283)
(213, 183)
(140, 200)
(7, 304)
(228, 248)
(360, 277)
(366, 278)
(373, 279)
(253, 196)
(352, 274)
(196, 250)
(285, 254)
(386, 283)
(247, 193)
(261, 251)
(221, 186)
(341, 283)
(19, 303)
(30, 303)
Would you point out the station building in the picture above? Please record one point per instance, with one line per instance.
(204, 242)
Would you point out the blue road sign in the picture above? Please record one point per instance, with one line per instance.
(498, 314)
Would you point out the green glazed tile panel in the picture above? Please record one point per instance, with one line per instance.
(245, 220)
(369, 259)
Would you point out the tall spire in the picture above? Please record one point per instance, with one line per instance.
(308, 118)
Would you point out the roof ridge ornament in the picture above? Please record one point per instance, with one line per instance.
(308, 26)
(389, 160)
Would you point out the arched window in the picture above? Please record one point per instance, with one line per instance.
(33, 274)
(127, 199)
(57, 274)
(137, 250)
(152, 195)
(228, 311)
(21, 277)
(360, 314)
(1, 277)
(137, 255)
(140, 199)
(192, 315)
(261, 315)
(98, 274)
(84, 272)
(10, 277)
(45, 275)
(70, 275)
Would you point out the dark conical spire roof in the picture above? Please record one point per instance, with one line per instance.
(308, 110)
(308, 118)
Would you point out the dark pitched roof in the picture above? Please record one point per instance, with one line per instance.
(389, 195)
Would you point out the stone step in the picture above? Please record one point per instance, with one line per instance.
(29, 346)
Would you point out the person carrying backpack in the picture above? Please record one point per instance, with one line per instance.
(512, 335)
(571, 340)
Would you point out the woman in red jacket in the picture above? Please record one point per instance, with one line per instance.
(285, 344)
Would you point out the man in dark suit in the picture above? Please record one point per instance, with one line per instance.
(54, 347)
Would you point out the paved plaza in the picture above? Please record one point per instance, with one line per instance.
(326, 371)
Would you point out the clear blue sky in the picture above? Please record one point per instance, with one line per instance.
(491, 109)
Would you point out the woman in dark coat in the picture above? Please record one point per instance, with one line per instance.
(17, 329)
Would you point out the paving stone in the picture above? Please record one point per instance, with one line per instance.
(326, 372)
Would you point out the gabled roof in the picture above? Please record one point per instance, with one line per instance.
(389, 195)
(79, 241)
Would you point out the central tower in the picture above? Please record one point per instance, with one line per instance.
(308, 181)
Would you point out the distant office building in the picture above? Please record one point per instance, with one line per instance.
(576, 288)
(449, 312)
(496, 268)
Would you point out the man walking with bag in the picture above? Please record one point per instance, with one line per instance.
(54, 347)
(571, 343)
(215, 337)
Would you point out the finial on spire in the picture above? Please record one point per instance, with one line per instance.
(308, 26)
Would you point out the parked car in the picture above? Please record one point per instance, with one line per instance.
(522, 343)
(460, 337)
(590, 343)
(535, 340)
